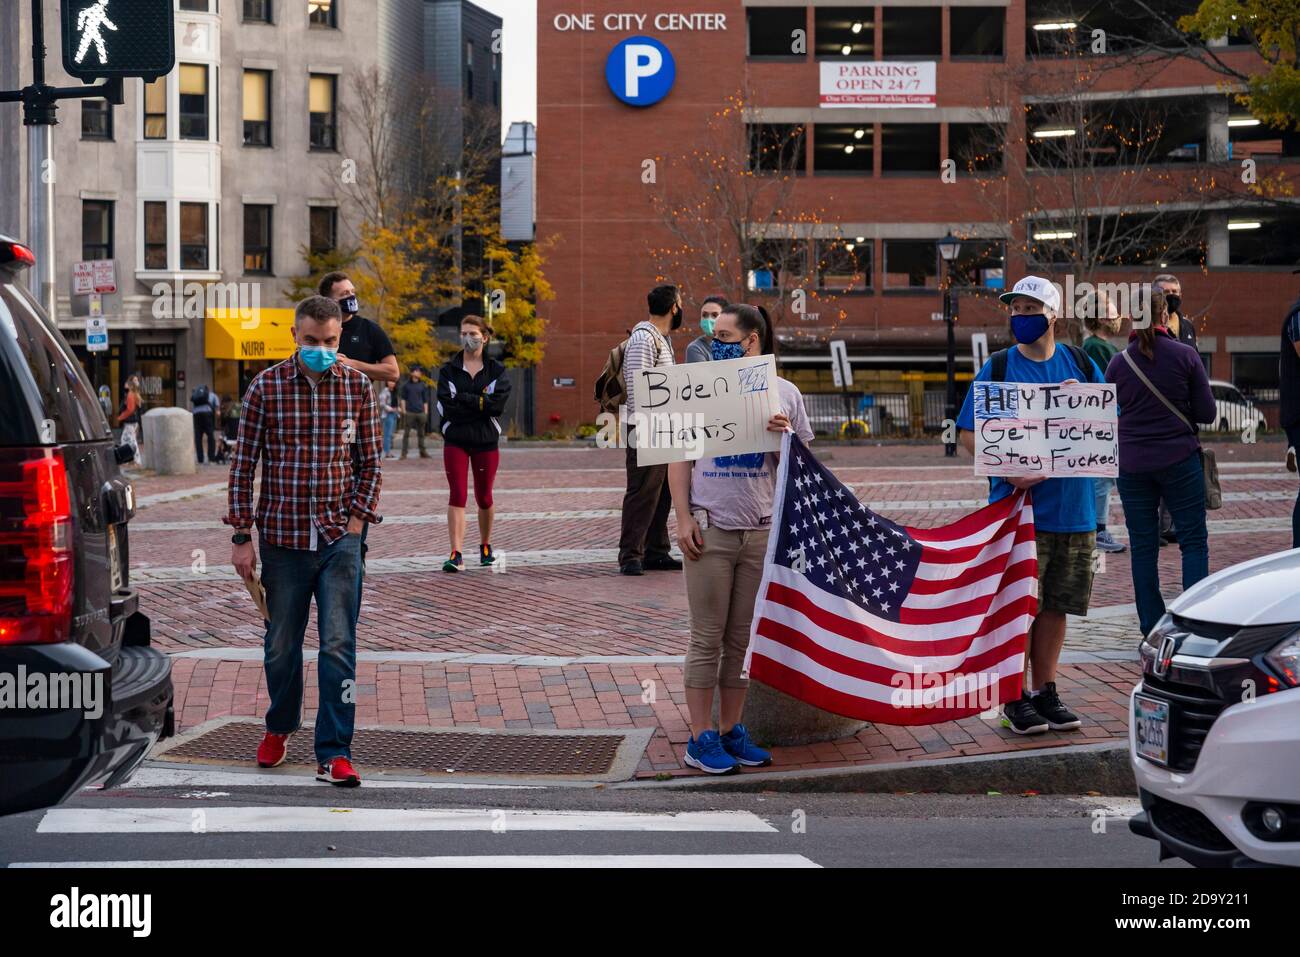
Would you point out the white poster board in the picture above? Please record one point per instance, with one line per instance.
(704, 409)
(1047, 430)
(877, 83)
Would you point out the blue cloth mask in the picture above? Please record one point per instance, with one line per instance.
(318, 358)
(1028, 329)
(726, 350)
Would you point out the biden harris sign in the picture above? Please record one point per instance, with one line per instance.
(640, 71)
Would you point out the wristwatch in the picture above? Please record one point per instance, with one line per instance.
(241, 538)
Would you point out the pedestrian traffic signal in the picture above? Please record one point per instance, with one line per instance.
(118, 38)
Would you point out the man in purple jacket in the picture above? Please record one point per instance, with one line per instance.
(1162, 389)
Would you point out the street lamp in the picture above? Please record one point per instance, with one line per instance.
(949, 247)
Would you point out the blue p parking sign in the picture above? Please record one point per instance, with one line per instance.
(640, 71)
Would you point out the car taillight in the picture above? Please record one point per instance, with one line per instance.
(16, 253)
(36, 563)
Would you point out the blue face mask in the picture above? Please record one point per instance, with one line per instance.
(1028, 329)
(707, 324)
(318, 358)
(726, 350)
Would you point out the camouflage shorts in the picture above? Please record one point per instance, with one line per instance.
(1065, 571)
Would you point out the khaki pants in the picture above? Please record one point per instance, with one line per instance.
(721, 588)
(414, 420)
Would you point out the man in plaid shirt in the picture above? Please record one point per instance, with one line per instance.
(302, 418)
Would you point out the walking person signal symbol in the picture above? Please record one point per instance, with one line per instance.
(89, 22)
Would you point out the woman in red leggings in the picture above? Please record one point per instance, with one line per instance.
(472, 392)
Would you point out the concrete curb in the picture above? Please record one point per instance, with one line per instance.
(1069, 769)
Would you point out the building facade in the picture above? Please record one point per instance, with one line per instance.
(205, 187)
(888, 126)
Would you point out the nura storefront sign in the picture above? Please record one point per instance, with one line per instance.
(880, 83)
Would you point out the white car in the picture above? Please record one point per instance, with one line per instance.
(1233, 410)
(1214, 735)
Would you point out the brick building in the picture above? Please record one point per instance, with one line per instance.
(992, 87)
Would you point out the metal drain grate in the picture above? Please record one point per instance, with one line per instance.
(422, 751)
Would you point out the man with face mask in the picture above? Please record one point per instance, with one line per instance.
(300, 419)
(698, 350)
(643, 543)
(363, 345)
(1065, 522)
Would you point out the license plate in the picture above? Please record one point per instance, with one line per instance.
(114, 565)
(1151, 726)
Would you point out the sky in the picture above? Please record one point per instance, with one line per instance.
(518, 57)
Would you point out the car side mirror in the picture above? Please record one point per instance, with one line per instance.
(124, 453)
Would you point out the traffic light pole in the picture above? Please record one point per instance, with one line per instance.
(40, 108)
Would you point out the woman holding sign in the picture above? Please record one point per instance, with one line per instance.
(724, 515)
(1162, 388)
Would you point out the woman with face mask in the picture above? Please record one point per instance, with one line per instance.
(724, 515)
(472, 392)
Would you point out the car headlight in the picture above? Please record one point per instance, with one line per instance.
(1285, 660)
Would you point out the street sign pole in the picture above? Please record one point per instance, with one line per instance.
(39, 117)
(142, 46)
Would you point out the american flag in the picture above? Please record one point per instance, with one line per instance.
(870, 619)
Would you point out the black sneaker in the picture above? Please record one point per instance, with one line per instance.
(1048, 704)
(632, 568)
(456, 563)
(1022, 717)
(485, 555)
(665, 563)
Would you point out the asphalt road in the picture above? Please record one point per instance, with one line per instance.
(315, 825)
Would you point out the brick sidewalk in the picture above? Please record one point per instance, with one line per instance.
(562, 599)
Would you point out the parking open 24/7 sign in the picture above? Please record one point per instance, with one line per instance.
(112, 38)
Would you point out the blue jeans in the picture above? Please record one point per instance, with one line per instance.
(390, 423)
(1293, 439)
(292, 576)
(1101, 490)
(1182, 487)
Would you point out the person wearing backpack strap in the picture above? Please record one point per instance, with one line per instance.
(1162, 389)
(643, 542)
(1065, 517)
(205, 405)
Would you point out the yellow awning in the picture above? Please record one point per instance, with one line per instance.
(263, 334)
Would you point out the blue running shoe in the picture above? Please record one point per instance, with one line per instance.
(737, 744)
(708, 755)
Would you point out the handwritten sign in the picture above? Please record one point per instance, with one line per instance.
(699, 409)
(1049, 430)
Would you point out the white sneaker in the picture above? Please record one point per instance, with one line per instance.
(1290, 459)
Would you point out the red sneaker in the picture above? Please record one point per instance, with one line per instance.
(273, 750)
(338, 771)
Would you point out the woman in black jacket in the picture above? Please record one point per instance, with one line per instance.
(472, 392)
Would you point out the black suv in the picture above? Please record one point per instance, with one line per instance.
(82, 695)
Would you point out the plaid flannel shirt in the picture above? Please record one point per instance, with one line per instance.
(304, 437)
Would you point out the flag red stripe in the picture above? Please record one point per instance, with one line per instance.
(969, 576)
(1026, 568)
(999, 511)
(797, 685)
(966, 553)
(879, 674)
(857, 631)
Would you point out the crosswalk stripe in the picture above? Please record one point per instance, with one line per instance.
(231, 820)
(155, 777)
(468, 861)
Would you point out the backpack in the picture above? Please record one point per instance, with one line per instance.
(199, 396)
(611, 389)
(998, 370)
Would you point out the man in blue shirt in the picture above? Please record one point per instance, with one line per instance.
(1065, 520)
